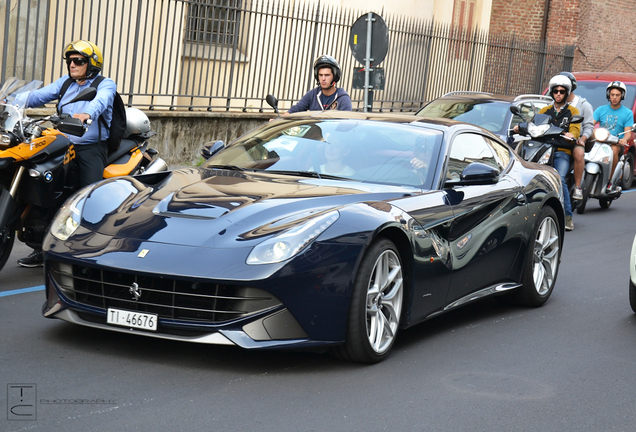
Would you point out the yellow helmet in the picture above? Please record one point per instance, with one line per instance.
(88, 50)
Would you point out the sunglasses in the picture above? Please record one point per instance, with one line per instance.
(555, 91)
(79, 61)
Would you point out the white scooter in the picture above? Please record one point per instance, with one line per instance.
(596, 182)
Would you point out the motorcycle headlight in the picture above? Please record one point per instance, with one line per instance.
(287, 244)
(68, 218)
(537, 131)
(5, 141)
(546, 157)
(601, 134)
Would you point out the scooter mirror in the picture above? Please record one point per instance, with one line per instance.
(515, 109)
(577, 118)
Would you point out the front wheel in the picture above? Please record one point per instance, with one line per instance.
(7, 237)
(605, 203)
(632, 295)
(376, 305)
(542, 261)
(587, 187)
(628, 171)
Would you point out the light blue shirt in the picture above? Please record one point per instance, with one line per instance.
(101, 104)
(614, 120)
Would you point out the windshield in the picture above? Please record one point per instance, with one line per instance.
(595, 93)
(491, 115)
(14, 94)
(369, 151)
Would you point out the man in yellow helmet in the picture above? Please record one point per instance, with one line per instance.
(84, 61)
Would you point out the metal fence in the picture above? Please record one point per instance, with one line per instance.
(227, 55)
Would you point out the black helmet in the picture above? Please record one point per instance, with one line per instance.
(572, 78)
(330, 62)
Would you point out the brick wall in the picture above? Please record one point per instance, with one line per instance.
(602, 30)
(523, 17)
(606, 37)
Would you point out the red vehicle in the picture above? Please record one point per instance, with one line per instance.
(592, 86)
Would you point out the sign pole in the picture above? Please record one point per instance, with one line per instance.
(367, 65)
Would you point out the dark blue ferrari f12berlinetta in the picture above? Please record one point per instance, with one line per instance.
(315, 230)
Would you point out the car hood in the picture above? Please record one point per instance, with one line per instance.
(217, 208)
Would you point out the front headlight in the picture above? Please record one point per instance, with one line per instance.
(546, 157)
(287, 244)
(537, 131)
(68, 218)
(601, 134)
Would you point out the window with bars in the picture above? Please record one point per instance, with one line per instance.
(213, 21)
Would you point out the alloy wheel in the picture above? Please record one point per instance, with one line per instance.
(384, 301)
(546, 256)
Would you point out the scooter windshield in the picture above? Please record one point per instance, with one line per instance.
(14, 95)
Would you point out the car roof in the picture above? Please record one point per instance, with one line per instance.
(374, 116)
(484, 96)
(626, 77)
(404, 118)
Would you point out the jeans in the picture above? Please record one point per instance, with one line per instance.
(562, 165)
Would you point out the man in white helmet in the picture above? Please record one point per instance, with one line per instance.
(561, 113)
(587, 129)
(616, 119)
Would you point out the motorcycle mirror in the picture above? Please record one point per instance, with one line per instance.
(273, 102)
(87, 94)
(515, 109)
(577, 118)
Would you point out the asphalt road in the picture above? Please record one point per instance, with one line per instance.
(569, 365)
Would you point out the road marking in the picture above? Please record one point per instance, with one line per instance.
(21, 291)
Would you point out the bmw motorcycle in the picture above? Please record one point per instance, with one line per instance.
(38, 170)
(545, 138)
(596, 182)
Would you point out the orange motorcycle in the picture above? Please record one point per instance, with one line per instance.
(38, 170)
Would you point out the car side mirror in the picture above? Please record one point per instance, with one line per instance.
(273, 102)
(212, 148)
(476, 173)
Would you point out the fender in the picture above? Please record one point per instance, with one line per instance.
(7, 206)
(592, 168)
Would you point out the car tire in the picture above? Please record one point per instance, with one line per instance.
(632, 295)
(376, 305)
(7, 238)
(628, 171)
(605, 203)
(587, 187)
(542, 261)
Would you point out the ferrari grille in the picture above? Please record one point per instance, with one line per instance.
(178, 299)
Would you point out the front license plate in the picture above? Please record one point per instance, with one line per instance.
(132, 319)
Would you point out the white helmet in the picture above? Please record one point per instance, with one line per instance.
(560, 81)
(617, 85)
(137, 122)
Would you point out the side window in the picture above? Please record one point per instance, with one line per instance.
(502, 153)
(467, 148)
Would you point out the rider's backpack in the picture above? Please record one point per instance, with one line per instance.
(118, 122)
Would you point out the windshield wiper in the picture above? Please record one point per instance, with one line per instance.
(228, 167)
(312, 174)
